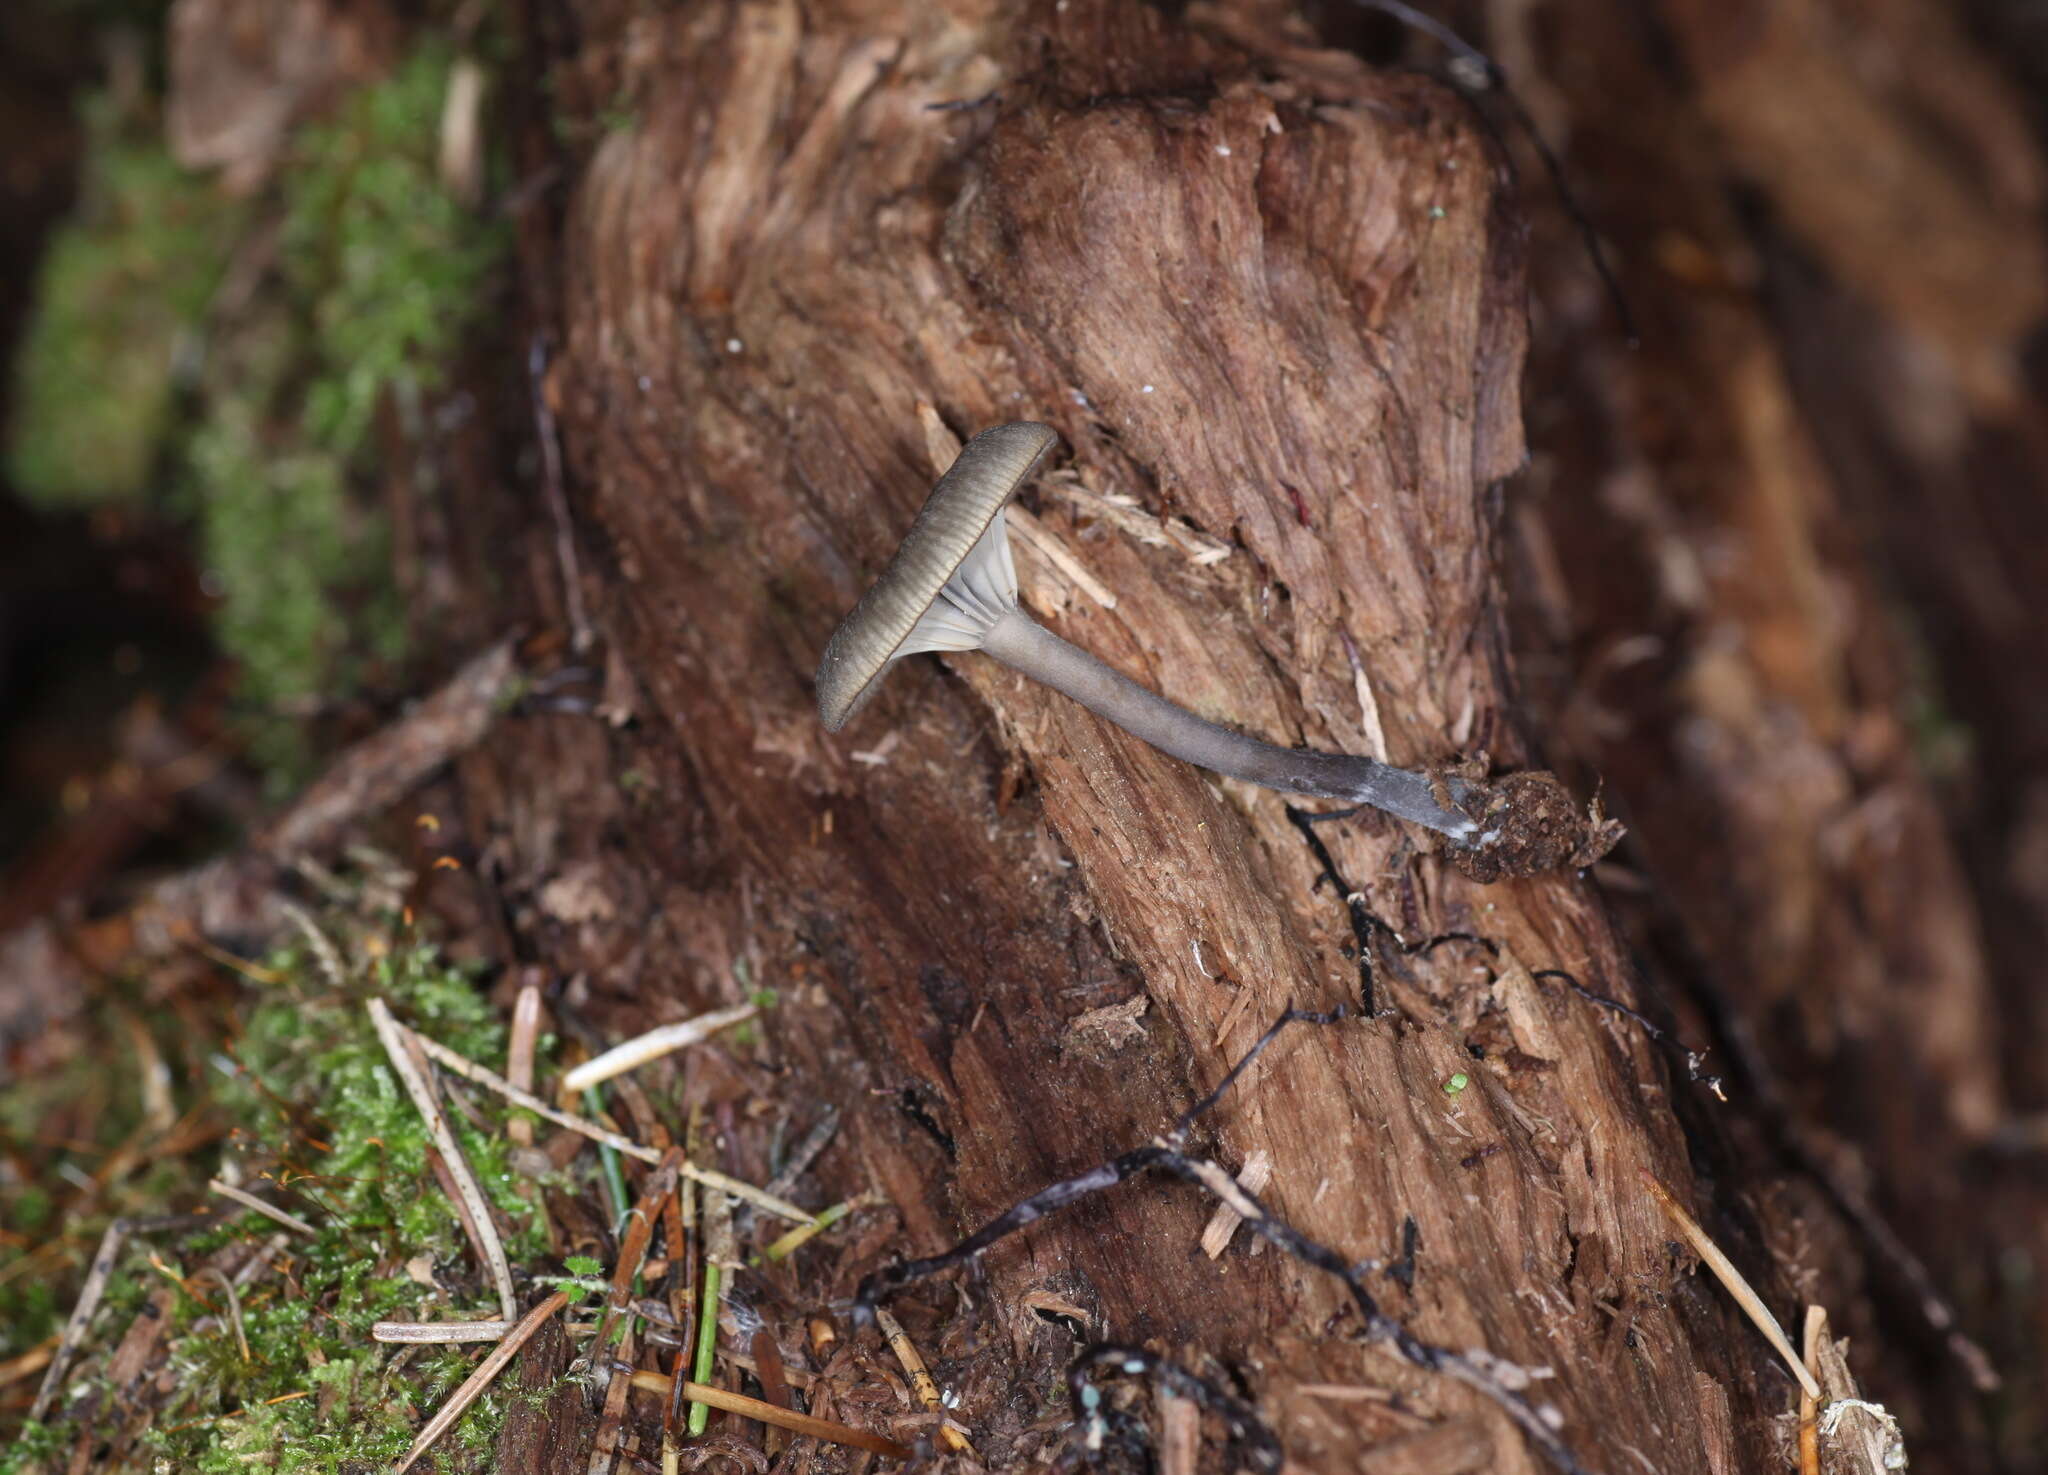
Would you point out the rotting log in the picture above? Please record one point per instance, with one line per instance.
(1272, 299)
(1274, 305)
(1771, 566)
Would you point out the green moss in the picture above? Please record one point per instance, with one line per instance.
(392, 266)
(35, 1447)
(384, 272)
(263, 427)
(66, 1119)
(119, 299)
(307, 605)
(313, 1076)
(311, 1090)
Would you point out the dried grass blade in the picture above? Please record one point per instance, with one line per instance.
(269, 1210)
(469, 1070)
(739, 1188)
(436, 1333)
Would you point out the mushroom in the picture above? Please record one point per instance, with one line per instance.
(952, 587)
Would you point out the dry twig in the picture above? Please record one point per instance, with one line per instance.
(921, 1380)
(1499, 1381)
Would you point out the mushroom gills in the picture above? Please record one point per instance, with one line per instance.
(982, 590)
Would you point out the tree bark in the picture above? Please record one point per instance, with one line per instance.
(1274, 301)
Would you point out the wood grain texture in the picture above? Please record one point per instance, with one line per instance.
(1281, 308)
(1767, 569)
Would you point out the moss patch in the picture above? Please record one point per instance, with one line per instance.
(269, 423)
(122, 290)
(390, 266)
(380, 275)
(308, 1099)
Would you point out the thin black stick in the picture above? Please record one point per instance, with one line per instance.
(1402, 1271)
(892, 1278)
(1364, 923)
(1362, 920)
(1499, 1381)
(1289, 1015)
(1690, 1059)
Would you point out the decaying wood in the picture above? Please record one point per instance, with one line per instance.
(1274, 300)
(548, 1425)
(1280, 304)
(1770, 566)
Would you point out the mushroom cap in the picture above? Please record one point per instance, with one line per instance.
(950, 577)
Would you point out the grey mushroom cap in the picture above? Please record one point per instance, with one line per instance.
(948, 582)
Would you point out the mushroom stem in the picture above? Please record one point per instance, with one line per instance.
(1023, 644)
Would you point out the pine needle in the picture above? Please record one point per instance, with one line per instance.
(491, 1249)
(262, 1206)
(656, 1043)
(486, 1372)
(469, 1070)
(1725, 1271)
(768, 1413)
